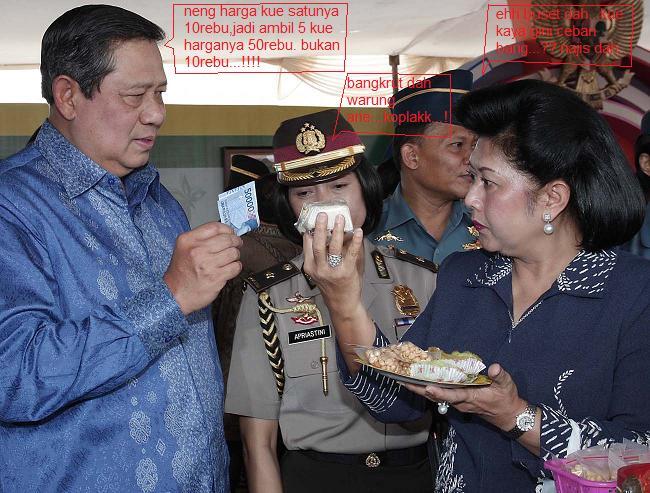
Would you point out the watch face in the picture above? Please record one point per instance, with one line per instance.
(526, 421)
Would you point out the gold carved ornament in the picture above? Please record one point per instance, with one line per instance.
(616, 36)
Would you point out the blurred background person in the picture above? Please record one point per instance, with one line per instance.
(640, 244)
(425, 214)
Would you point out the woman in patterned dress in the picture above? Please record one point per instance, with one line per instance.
(557, 313)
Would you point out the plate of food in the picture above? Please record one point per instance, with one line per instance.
(407, 363)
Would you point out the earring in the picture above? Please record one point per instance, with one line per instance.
(548, 227)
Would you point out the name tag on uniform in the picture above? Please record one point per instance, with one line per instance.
(311, 334)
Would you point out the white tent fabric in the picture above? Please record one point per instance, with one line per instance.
(429, 35)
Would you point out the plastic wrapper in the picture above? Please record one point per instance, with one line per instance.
(307, 218)
(602, 464)
(468, 362)
(437, 371)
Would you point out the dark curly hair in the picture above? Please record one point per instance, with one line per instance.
(549, 133)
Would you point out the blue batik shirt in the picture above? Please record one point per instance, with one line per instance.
(400, 228)
(104, 384)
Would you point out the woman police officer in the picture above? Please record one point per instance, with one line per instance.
(284, 371)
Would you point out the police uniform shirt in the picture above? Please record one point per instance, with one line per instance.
(310, 420)
(400, 227)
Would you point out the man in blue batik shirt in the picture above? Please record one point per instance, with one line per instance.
(425, 214)
(109, 378)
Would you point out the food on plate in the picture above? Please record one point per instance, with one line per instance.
(435, 365)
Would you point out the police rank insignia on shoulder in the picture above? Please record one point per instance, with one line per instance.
(380, 264)
(405, 301)
(388, 236)
(275, 274)
(413, 259)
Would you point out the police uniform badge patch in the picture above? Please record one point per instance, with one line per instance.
(388, 236)
(405, 301)
(305, 319)
(313, 334)
(298, 298)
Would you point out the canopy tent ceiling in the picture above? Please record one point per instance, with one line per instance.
(418, 27)
(447, 32)
(435, 28)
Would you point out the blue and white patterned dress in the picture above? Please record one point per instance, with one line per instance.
(104, 385)
(581, 354)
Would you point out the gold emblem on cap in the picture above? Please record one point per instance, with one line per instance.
(405, 301)
(310, 139)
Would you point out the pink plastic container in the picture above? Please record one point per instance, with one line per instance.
(565, 482)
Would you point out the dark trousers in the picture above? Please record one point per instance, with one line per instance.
(302, 474)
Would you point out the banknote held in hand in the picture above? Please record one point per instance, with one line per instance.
(238, 208)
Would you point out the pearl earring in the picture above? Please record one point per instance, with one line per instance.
(548, 227)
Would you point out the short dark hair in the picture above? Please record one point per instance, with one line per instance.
(415, 135)
(80, 44)
(371, 189)
(642, 146)
(549, 133)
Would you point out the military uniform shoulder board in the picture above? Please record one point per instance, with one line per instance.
(275, 274)
(380, 264)
(402, 254)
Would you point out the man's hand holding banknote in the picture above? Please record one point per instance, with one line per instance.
(205, 258)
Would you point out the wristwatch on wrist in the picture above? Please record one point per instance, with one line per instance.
(525, 421)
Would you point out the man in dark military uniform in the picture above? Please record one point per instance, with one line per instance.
(425, 215)
(284, 371)
(261, 248)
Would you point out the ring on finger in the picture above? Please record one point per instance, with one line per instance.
(334, 260)
(443, 407)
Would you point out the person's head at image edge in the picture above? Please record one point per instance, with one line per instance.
(433, 156)
(546, 169)
(642, 156)
(312, 166)
(103, 78)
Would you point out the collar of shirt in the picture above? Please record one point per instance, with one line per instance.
(399, 212)
(79, 173)
(586, 276)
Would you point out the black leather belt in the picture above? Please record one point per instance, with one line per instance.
(387, 458)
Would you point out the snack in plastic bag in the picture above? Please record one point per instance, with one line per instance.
(307, 218)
